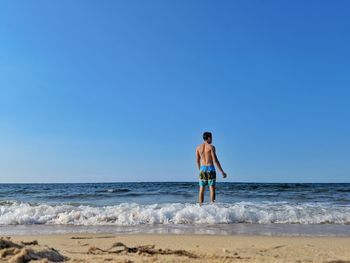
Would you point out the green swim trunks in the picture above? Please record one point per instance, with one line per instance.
(207, 175)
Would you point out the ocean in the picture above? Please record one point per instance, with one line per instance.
(171, 207)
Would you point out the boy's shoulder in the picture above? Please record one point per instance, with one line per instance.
(199, 146)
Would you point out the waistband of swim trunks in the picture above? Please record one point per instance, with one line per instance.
(207, 166)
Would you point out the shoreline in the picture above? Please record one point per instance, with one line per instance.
(283, 230)
(90, 247)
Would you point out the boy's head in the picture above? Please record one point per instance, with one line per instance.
(207, 136)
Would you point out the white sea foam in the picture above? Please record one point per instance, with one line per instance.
(172, 213)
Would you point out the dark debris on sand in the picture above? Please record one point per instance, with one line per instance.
(27, 251)
(119, 247)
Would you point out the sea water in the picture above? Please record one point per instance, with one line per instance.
(158, 207)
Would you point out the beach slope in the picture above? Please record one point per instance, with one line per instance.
(174, 248)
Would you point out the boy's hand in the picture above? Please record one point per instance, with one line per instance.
(224, 175)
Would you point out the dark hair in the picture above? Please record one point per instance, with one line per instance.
(206, 135)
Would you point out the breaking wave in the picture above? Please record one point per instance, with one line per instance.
(130, 214)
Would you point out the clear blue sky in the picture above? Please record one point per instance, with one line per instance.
(122, 90)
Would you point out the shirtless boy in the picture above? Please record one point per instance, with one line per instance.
(206, 157)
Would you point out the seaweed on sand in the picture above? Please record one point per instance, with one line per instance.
(27, 251)
(119, 247)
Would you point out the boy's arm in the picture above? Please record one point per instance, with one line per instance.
(216, 160)
(198, 159)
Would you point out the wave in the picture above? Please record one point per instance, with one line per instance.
(114, 190)
(173, 213)
(120, 190)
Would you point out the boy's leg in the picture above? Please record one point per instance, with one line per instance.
(201, 195)
(212, 193)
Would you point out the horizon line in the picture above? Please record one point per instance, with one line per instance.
(126, 182)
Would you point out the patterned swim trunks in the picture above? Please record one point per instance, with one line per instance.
(207, 175)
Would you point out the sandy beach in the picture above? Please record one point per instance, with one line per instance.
(174, 248)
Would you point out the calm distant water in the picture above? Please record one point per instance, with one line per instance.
(111, 206)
